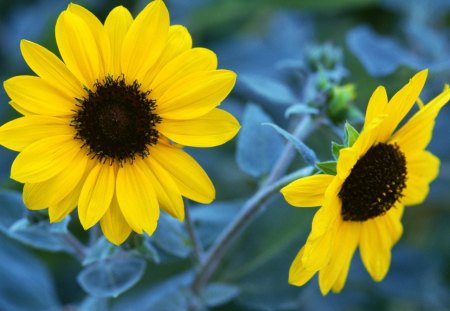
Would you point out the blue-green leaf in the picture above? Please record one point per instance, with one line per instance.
(42, 235)
(169, 294)
(148, 251)
(300, 109)
(25, 283)
(91, 303)
(112, 276)
(381, 55)
(171, 236)
(216, 294)
(265, 89)
(12, 209)
(101, 250)
(258, 147)
(307, 153)
(211, 219)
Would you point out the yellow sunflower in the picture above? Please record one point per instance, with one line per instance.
(102, 128)
(362, 204)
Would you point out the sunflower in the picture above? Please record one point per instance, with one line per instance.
(376, 177)
(102, 129)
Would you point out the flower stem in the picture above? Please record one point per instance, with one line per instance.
(78, 248)
(303, 129)
(253, 205)
(197, 246)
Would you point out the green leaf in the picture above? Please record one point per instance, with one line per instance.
(335, 148)
(350, 135)
(328, 167)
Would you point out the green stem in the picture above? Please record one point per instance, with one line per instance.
(253, 205)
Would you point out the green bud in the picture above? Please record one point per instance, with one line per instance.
(341, 98)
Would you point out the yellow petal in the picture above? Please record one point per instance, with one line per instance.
(317, 252)
(168, 194)
(38, 96)
(416, 192)
(423, 165)
(375, 249)
(307, 191)
(190, 178)
(347, 159)
(64, 207)
(344, 245)
(117, 24)
(96, 194)
(136, 197)
(19, 109)
(50, 192)
(402, 102)
(195, 95)
(59, 211)
(144, 41)
(99, 33)
(44, 159)
(78, 48)
(22, 132)
(50, 68)
(391, 224)
(370, 136)
(185, 64)
(298, 275)
(113, 224)
(178, 41)
(416, 134)
(377, 104)
(318, 247)
(329, 212)
(422, 169)
(341, 279)
(213, 129)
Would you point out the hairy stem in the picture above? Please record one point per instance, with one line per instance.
(253, 205)
(198, 249)
(78, 248)
(302, 130)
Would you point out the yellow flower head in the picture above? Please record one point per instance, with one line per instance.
(99, 126)
(362, 205)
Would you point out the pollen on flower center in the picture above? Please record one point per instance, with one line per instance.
(375, 183)
(116, 121)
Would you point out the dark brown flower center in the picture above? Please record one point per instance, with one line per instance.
(375, 183)
(116, 121)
